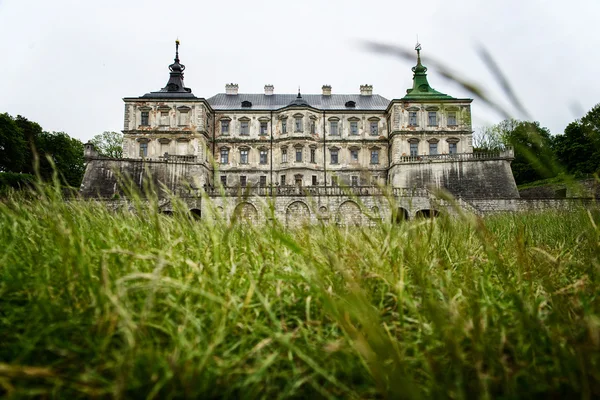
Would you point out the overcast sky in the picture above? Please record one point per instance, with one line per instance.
(67, 64)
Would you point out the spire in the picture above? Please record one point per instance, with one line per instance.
(421, 88)
(175, 86)
(299, 101)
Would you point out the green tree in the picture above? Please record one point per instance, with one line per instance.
(31, 132)
(534, 156)
(13, 146)
(66, 154)
(578, 149)
(109, 144)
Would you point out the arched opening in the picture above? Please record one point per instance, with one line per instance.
(349, 214)
(246, 212)
(401, 215)
(195, 213)
(297, 214)
(427, 214)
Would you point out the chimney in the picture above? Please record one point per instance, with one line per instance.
(366, 90)
(326, 90)
(231, 88)
(269, 90)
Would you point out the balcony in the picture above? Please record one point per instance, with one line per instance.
(307, 191)
(507, 153)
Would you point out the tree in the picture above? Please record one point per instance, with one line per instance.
(534, 157)
(488, 138)
(66, 154)
(109, 144)
(578, 149)
(12, 145)
(31, 132)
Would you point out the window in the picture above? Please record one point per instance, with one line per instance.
(374, 128)
(314, 180)
(263, 128)
(244, 128)
(224, 180)
(432, 118)
(243, 180)
(244, 156)
(414, 149)
(354, 156)
(334, 156)
(333, 128)
(144, 149)
(433, 149)
(353, 127)
(334, 181)
(299, 154)
(263, 156)
(452, 119)
(313, 127)
(298, 125)
(312, 155)
(412, 118)
(145, 116)
(263, 180)
(224, 127)
(374, 156)
(282, 180)
(284, 126)
(164, 118)
(184, 118)
(283, 155)
(224, 156)
(354, 180)
(452, 148)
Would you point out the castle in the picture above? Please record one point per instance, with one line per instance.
(316, 156)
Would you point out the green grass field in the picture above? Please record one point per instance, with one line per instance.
(95, 303)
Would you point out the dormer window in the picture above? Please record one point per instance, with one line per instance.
(246, 104)
(351, 104)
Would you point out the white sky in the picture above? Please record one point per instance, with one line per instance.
(67, 64)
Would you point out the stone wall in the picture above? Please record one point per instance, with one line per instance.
(103, 176)
(489, 178)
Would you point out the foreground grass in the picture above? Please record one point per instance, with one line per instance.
(117, 304)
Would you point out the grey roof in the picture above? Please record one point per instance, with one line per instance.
(260, 101)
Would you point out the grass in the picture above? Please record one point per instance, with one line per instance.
(98, 303)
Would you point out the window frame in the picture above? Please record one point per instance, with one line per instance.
(224, 155)
(225, 125)
(244, 128)
(243, 181)
(284, 155)
(354, 180)
(374, 132)
(452, 146)
(263, 157)
(413, 119)
(354, 128)
(335, 153)
(145, 118)
(224, 180)
(298, 124)
(334, 128)
(143, 151)
(433, 146)
(432, 115)
(264, 128)
(452, 116)
(313, 156)
(244, 156)
(354, 156)
(375, 153)
(414, 146)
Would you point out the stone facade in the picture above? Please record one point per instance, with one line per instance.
(298, 150)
